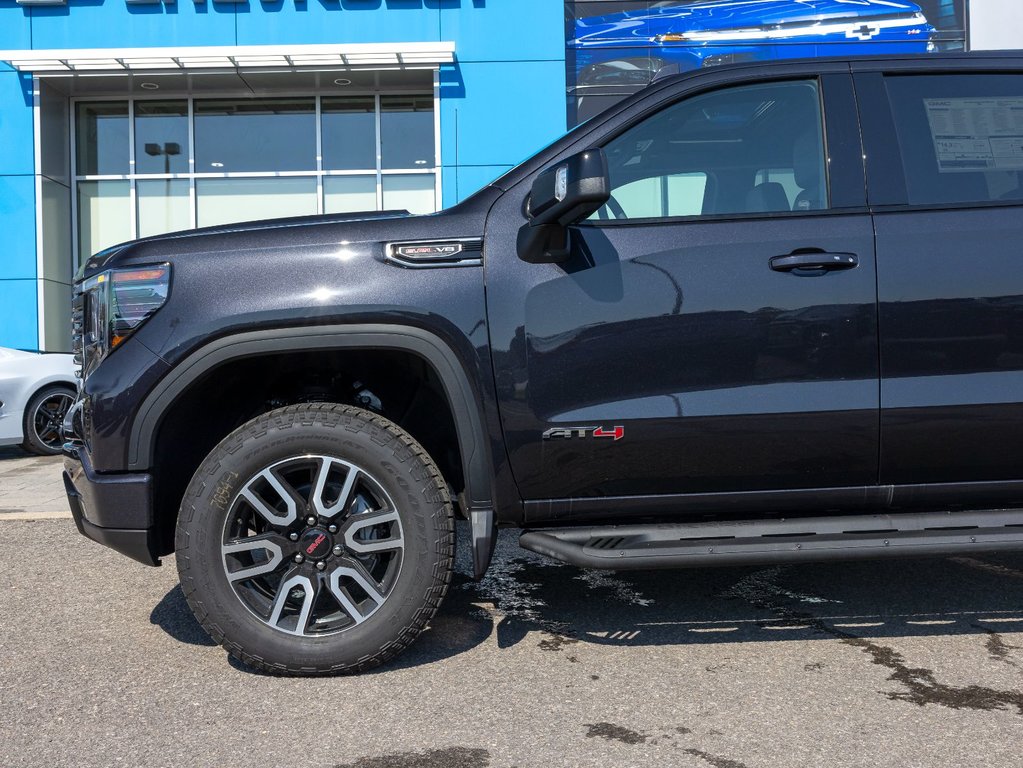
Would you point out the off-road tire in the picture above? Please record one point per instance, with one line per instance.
(401, 467)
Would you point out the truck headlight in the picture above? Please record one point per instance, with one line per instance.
(118, 302)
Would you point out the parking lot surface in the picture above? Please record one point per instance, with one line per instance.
(908, 663)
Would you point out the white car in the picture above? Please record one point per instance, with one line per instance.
(36, 391)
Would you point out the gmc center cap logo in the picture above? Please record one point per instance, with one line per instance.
(315, 542)
(566, 433)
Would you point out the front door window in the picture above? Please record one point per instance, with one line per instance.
(745, 150)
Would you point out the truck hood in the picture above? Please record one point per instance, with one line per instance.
(363, 235)
(724, 15)
(115, 255)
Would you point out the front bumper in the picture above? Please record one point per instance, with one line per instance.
(113, 510)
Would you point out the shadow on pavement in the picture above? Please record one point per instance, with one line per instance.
(523, 593)
(458, 627)
(174, 617)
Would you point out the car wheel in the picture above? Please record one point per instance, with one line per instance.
(44, 420)
(315, 539)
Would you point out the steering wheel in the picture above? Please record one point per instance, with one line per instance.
(614, 207)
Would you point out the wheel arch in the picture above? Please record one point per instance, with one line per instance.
(50, 381)
(462, 398)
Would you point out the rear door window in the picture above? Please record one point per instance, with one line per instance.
(960, 137)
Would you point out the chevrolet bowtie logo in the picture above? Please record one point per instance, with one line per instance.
(863, 32)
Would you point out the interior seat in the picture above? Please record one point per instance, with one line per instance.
(806, 167)
(766, 197)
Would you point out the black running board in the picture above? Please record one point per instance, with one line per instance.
(765, 542)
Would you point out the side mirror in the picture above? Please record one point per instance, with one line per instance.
(561, 196)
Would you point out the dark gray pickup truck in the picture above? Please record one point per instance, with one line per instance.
(750, 315)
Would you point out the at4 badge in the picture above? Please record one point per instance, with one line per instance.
(567, 433)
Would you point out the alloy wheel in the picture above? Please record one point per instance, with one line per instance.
(312, 545)
(48, 419)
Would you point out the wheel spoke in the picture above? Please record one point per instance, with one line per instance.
(344, 499)
(273, 556)
(290, 582)
(267, 512)
(48, 419)
(363, 520)
(354, 571)
(265, 543)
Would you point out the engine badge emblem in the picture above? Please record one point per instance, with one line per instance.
(429, 251)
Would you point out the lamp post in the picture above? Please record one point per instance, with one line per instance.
(167, 150)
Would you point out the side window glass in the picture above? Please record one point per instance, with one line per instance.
(681, 194)
(960, 136)
(748, 149)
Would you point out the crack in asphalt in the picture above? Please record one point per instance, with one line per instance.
(761, 590)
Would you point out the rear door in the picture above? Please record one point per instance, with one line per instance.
(714, 330)
(946, 184)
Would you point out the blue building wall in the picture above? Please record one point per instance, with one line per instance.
(502, 99)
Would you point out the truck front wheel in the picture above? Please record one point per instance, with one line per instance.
(315, 539)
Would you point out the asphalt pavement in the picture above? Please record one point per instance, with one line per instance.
(911, 663)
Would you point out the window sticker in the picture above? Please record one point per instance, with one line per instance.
(977, 134)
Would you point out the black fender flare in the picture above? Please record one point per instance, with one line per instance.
(465, 405)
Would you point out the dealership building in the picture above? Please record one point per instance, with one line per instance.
(129, 118)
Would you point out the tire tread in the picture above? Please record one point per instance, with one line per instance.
(385, 433)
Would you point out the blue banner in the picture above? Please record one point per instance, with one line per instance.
(614, 48)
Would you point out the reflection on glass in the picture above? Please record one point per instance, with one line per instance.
(163, 206)
(226, 201)
(56, 241)
(406, 132)
(347, 194)
(349, 133)
(413, 193)
(104, 215)
(255, 135)
(101, 145)
(161, 137)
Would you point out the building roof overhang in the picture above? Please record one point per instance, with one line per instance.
(240, 58)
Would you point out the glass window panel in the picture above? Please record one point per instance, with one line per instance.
(685, 193)
(56, 244)
(255, 135)
(413, 193)
(102, 138)
(226, 201)
(406, 132)
(161, 137)
(678, 195)
(163, 206)
(347, 194)
(349, 133)
(959, 136)
(707, 155)
(104, 215)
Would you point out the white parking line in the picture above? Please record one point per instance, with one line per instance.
(35, 516)
(981, 565)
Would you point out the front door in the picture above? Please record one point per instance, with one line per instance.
(714, 329)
